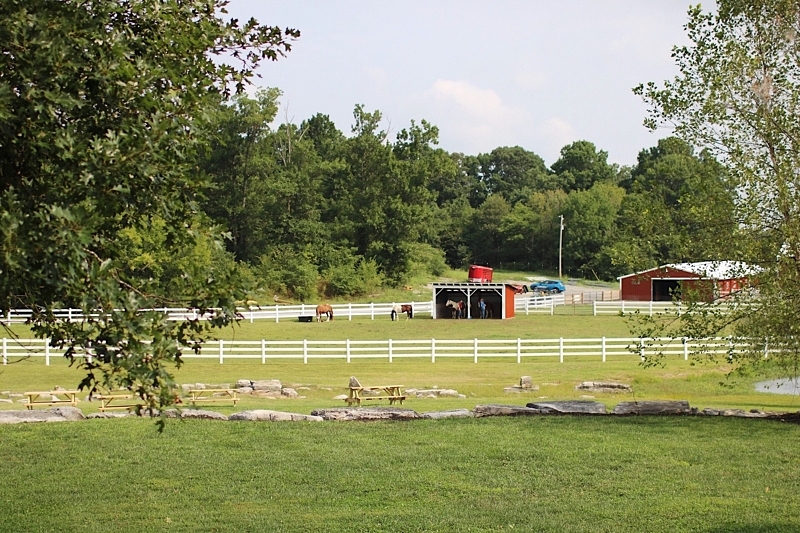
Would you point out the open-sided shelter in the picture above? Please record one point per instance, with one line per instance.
(711, 279)
(499, 299)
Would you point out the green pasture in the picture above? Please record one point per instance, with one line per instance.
(320, 380)
(559, 474)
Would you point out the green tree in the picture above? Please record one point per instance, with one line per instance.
(581, 165)
(589, 217)
(513, 172)
(737, 95)
(101, 106)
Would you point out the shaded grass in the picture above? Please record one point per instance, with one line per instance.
(565, 474)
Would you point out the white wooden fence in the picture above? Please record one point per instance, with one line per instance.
(433, 349)
(622, 306)
(527, 303)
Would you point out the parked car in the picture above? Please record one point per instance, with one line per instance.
(550, 286)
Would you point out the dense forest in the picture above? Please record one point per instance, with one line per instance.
(308, 211)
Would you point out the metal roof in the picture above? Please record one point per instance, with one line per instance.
(470, 285)
(707, 269)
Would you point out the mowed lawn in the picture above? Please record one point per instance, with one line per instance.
(560, 474)
(320, 380)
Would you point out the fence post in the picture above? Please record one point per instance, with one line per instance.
(69, 314)
(475, 350)
(685, 349)
(277, 319)
(305, 351)
(221, 343)
(527, 305)
(641, 348)
(433, 350)
(766, 348)
(390, 350)
(348, 350)
(603, 347)
(350, 311)
(552, 306)
(594, 308)
(561, 349)
(372, 310)
(651, 307)
(623, 307)
(5, 351)
(519, 350)
(47, 352)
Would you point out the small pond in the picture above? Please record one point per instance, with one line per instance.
(780, 386)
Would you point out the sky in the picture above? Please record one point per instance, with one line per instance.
(538, 73)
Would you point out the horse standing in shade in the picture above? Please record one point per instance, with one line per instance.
(455, 307)
(324, 309)
(402, 308)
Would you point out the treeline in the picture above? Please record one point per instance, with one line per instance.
(309, 211)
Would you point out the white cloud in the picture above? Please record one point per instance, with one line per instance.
(531, 79)
(476, 117)
(555, 133)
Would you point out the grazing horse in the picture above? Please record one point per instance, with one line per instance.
(455, 307)
(402, 308)
(324, 309)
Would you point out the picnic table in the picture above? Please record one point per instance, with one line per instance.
(49, 398)
(106, 401)
(389, 392)
(208, 395)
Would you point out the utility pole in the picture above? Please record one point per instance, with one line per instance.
(560, 241)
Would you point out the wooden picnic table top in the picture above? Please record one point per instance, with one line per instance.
(377, 387)
(211, 390)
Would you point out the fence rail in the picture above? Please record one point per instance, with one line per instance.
(527, 303)
(432, 349)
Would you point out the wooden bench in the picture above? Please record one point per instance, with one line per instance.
(45, 398)
(390, 392)
(207, 395)
(106, 401)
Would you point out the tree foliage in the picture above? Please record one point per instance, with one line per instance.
(101, 105)
(738, 95)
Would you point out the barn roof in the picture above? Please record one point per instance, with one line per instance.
(707, 269)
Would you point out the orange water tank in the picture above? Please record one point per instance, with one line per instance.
(479, 274)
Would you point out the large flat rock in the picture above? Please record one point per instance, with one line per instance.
(266, 415)
(585, 407)
(453, 413)
(505, 410)
(366, 413)
(55, 414)
(653, 407)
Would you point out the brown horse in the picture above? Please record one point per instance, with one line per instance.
(402, 308)
(324, 309)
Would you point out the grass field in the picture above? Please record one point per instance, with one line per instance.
(559, 474)
(319, 381)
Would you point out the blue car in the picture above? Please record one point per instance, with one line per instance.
(549, 286)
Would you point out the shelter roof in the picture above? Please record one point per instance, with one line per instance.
(707, 269)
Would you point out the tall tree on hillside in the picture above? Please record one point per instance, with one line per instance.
(512, 172)
(737, 95)
(581, 165)
(101, 105)
(238, 161)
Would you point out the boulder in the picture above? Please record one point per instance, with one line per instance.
(453, 413)
(244, 390)
(243, 383)
(504, 410)
(526, 382)
(56, 414)
(288, 392)
(110, 414)
(341, 397)
(653, 407)
(269, 385)
(570, 407)
(199, 385)
(265, 415)
(366, 413)
(202, 414)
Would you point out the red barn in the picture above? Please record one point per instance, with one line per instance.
(712, 279)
